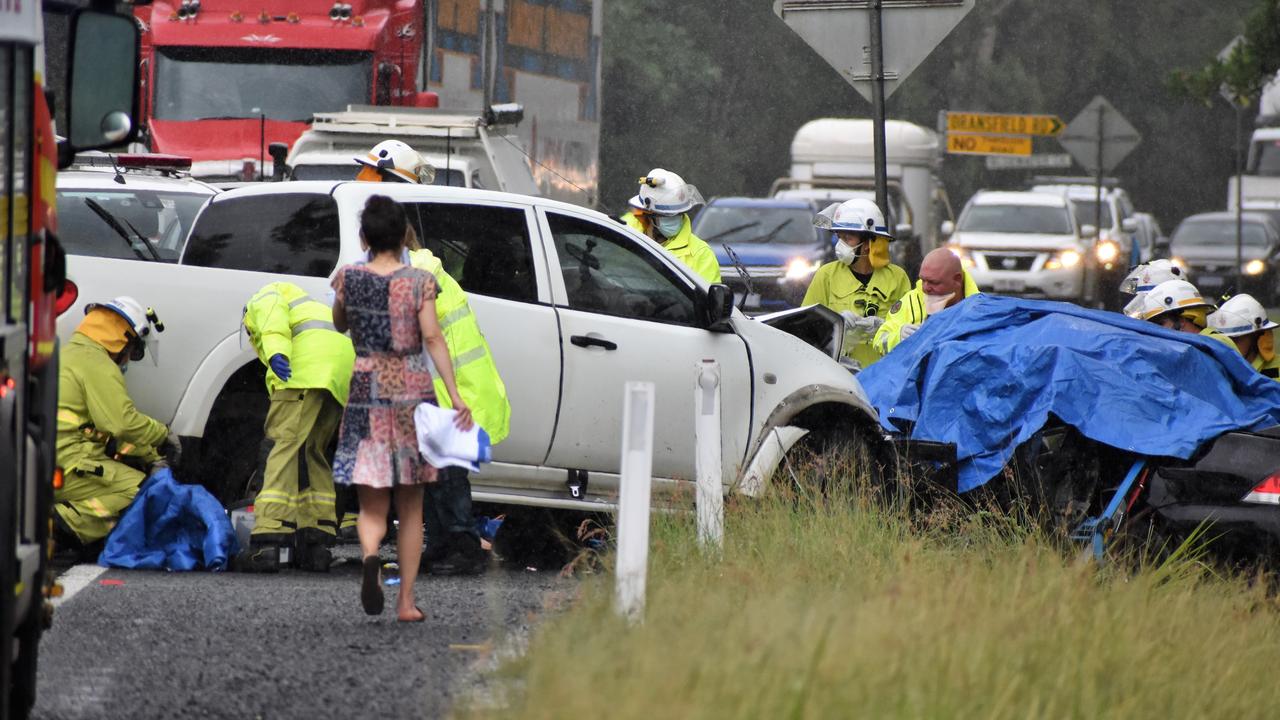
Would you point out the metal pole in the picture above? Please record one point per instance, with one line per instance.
(486, 56)
(1239, 204)
(1097, 209)
(877, 110)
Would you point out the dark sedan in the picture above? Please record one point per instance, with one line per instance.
(1205, 246)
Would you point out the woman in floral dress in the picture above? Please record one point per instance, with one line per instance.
(390, 310)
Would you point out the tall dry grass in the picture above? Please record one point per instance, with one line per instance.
(830, 605)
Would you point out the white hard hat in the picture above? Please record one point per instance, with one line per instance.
(663, 192)
(856, 215)
(144, 322)
(1148, 275)
(1240, 315)
(399, 160)
(1171, 296)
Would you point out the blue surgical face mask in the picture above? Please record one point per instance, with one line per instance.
(669, 225)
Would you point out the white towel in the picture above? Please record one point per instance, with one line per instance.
(444, 445)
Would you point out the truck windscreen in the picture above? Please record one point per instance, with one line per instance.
(282, 84)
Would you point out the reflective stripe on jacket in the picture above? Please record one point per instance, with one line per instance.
(835, 286)
(96, 417)
(282, 319)
(687, 247)
(910, 310)
(479, 383)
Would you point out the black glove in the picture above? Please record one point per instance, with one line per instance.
(171, 449)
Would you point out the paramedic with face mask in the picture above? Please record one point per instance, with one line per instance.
(860, 284)
(943, 283)
(661, 210)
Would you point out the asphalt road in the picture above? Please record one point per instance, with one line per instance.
(135, 644)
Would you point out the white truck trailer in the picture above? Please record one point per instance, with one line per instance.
(833, 158)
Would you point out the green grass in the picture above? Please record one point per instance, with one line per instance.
(838, 609)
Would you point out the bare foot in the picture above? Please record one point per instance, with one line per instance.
(411, 614)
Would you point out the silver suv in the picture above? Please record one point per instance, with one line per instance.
(1023, 243)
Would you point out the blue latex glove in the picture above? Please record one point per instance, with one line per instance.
(280, 366)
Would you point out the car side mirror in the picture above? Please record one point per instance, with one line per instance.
(947, 227)
(101, 105)
(1088, 231)
(903, 230)
(1129, 225)
(279, 152)
(719, 307)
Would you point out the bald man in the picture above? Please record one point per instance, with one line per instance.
(943, 283)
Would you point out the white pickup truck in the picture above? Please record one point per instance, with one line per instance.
(572, 303)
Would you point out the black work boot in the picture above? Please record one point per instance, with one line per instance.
(312, 551)
(465, 557)
(259, 559)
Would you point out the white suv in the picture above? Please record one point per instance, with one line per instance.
(573, 304)
(1022, 243)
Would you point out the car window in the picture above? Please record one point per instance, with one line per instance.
(608, 272)
(290, 234)
(1086, 212)
(163, 218)
(725, 223)
(1265, 158)
(1043, 219)
(485, 248)
(1215, 233)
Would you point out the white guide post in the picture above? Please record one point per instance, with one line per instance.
(633, 499)
(708, 465)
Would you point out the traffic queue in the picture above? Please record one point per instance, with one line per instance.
(398, 331)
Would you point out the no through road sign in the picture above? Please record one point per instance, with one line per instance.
(970, 144)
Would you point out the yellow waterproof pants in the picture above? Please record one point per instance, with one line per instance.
(297, 486)
(94, 495)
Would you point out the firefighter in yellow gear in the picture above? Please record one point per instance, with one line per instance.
(661, 210)
(308, 374)
(1245, 321)
(943, 283)
(104, 444)
(1178, 305)
(453, 542)
(860, 284)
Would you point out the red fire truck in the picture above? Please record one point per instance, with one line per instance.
(224, 79)
(100, 98)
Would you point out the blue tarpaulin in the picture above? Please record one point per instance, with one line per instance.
(987, 374)
(171, 526)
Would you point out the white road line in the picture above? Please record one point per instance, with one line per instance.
(77, 579)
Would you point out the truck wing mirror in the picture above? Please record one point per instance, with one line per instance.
(102, 101)
(947, 227)
(719, 307)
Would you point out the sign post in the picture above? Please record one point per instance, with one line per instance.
(708, 464)
(1237, 103)
(873, 51)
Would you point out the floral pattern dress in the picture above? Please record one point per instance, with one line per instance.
(378, 444)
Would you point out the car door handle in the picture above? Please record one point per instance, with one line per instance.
(588, 341)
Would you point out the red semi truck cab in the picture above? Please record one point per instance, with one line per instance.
(223, 79)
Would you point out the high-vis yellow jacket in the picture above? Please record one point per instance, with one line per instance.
(688, 249)
(910, 310)
(96, 417)
(479, 383)
(835, 286)
(282, 319)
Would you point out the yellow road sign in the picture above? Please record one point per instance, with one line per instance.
(971, 144)
(1002, 124)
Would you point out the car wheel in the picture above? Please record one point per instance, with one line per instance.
(1055, 480)
(846, 464)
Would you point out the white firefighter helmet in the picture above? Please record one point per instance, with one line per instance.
(1240, 315)
(1148, 275)
(143, 321)
(399, 161)
(1170, 296)
(663, 192)
(855, 215)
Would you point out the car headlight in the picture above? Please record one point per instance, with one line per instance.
(1182, 264)
(966, 260)
(1107, 251)
(1064, 259)
(1255, 267)
(801, 268)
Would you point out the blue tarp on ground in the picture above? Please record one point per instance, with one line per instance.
(987, 373)
(171, 526)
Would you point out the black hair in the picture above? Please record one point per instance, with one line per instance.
(382, 224)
